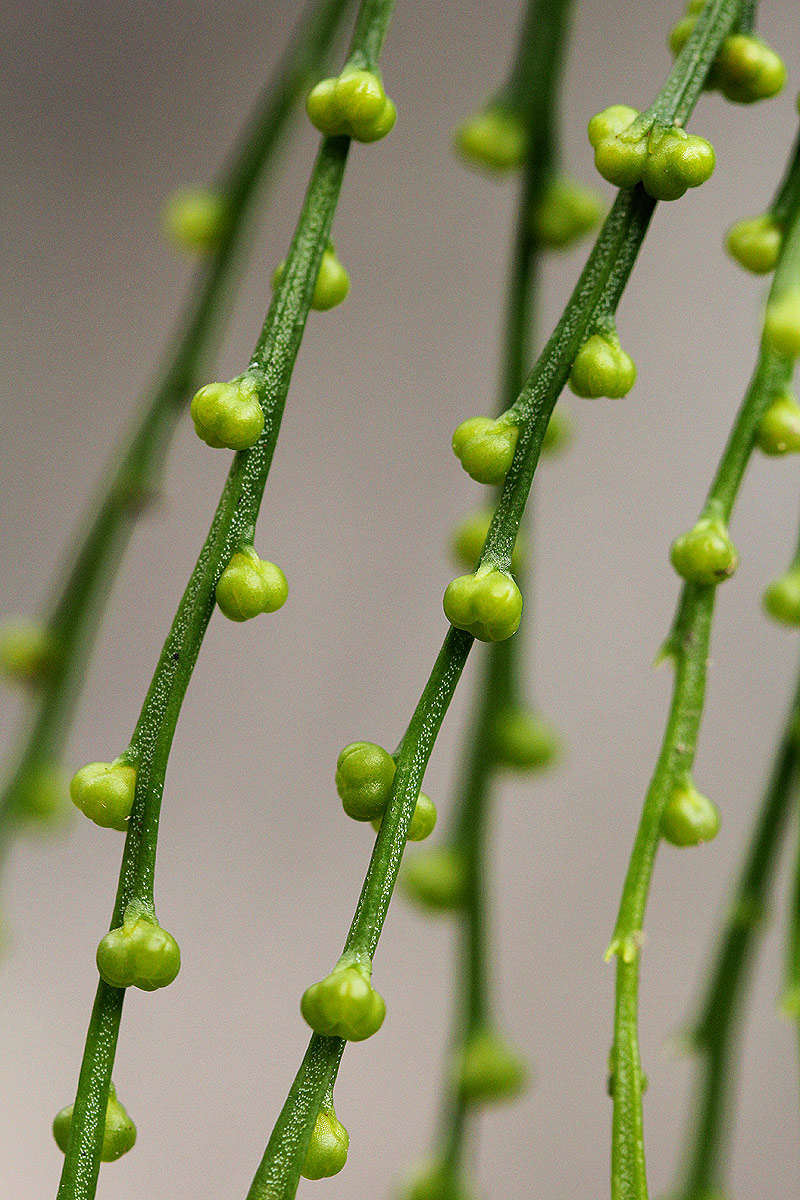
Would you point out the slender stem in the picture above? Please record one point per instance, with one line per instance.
(714, 1034)
(76, 608)
(273, 361)
(600, 286)
(688, 645)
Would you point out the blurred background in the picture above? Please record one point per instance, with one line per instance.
(112, 106)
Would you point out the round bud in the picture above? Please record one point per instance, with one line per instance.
(621, 160)
(327, 1150)
(249, 586)
(436, 879)
(344, 1004)
(610, 122)
(756, 243)
(747, 69)
(364, 776)
(705, 554)
(602, 368)
(680, 34)
(228, 415)
(39, 795)
(119, 1131)
(782, 323)
(469, 537)
(782, 598)
(778, 430)
(558, 434)
(196, 219)
(566, 213)
(354, 104)
(488, 1069)
(689, 818)
(423, 821)
(104, 793)
(523, 740)
(487, 604)
(138, 954)
(493, 140)
(676, 160)
(485, 447)
(435, 1181)
(333, 282)
(28, 650)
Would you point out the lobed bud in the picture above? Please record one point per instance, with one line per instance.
(488, 1069)
(327, 1150)
(228, 415)
(352, 104)
(493, 140)
(104, 792)
(469, 538)
(364, 777)
(249, 586)
(196, 219)
(485, 447)
(782, 323)
(705, 554)
(119, 1131)
(344, 1004)
(436, 879)
(746, 69)
(558, 434)
(689, 818)
(523, 740)
(487, 604)
(332, 285)
(782, 597)
(602, 368)
(423, 822)
(567, 212)
(756, 243)
(778, 431)
(676, 160)
(39, 796)
(138, 954)
(28, 650)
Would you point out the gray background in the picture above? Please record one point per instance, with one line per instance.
(111, 106)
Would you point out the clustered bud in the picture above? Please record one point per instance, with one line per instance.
(705, 554)
(523, 740)
(249, 586)
(364, 778)
(423, 822)
(493, 140)
(487, 604)
(229, 415)
(602, 368)
(666, 160)
(488, 1069)
(332, 285)
(119, 1131)
(196, 219)
(566, 213)
(138, 954)
(469, 538)
(104, 792)
(778, 431)
(352, 104)
(436, 880)
(327, 1150)
(28, 650)
(756, 243)
(689, 818)
(485, 447)
(782, 597)
(344, 1004)
(745, 70)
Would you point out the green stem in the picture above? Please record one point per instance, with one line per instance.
(714, 1035)
(688, 645)
(75, 610)
(600, 287)
(273, 361)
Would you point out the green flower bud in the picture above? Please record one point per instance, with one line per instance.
(40, 796)
(119, 1131)
(327, 1150)
(469, 537)
(364, 776)
(435, 1180)
(523, 740)
(28, 650)
(680, 34)
(782, 597)
(196, 219)
(104, 793)
(352, 104)
(485, 447)
(558, 435)
(488, 1069)
(705, 554)
(602, 368)
(138, 954)
(333, 282)
(344, 1004)
(610, 122)
(249, 586)
(689, 818)
(676, 161)
(782, 323)
(436, 879)
(746, 69)
(488, 604)
(756, 243)
(493, 140)
(423, 821)
(621, 160)
(566, 213)
(778, 430)
(228, 415)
